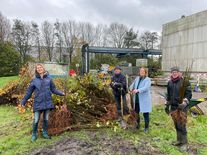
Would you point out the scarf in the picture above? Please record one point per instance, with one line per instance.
(175, 79)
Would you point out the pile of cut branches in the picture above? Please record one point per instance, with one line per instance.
(87, 97)
(87, 100)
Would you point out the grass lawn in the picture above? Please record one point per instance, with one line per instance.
(15, 133)
(5, 80)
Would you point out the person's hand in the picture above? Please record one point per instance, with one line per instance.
(135, 91)
(167, 103)
(117, 84)
(23, 106)
(182, 106)
(167, 109)
(185, 100)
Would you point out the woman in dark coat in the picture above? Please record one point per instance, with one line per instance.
(43, 87)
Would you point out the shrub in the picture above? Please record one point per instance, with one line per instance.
(9, 60)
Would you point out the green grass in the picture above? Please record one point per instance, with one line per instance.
(15, 133)
(5, 80)
(162, 133)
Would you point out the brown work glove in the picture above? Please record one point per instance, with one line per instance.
(183, 106)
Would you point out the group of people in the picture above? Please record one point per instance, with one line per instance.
(43, 87)
(140, 89)
(142, 103)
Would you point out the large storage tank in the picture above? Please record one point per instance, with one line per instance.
(185, 40)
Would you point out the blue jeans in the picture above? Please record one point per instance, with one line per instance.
(38, 113)
(118, 104)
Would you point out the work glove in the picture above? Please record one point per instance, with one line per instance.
(183, 105)
(116, 84)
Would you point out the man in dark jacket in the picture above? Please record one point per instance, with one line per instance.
(176, 107)
(118, 84)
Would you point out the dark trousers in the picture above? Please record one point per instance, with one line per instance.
(180, 126)
(118, 104)
(146, 115)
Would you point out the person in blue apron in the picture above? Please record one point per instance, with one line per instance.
(43, 87)
(142, 103)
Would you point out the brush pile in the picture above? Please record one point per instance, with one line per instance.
(87, 100)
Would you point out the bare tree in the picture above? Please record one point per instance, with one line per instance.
(5, 28)
(154, 39)
(21, 36)
(59, 35)
(149, 39)
(100, 35)
(36, 38)
(130, 39)
(87, 32)
(145, 40)
(70, 36)
(105, 40)
(48, 38)
(117, 33)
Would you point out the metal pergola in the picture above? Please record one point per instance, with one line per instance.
(86, 49)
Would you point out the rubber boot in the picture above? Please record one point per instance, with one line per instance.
(146, 128)
(34, 131)
(44, 130)
(138, 122)
(184, 143)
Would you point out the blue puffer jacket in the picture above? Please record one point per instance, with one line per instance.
(43, 89)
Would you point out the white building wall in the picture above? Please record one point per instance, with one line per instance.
(185, 41)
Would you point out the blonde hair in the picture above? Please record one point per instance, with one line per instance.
(145, 69)
(36, 68)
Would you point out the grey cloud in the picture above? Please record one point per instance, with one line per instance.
(142, 14)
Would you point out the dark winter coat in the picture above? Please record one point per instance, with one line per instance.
(43, 89)
(173, 92)
(116, 88)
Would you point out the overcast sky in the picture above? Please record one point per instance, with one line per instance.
(141, 14)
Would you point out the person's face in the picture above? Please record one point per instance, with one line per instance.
(142, 72)
(175, 74)
(40, 69)
(117, 71)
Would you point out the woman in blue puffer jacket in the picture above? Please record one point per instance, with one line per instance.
(43, 87)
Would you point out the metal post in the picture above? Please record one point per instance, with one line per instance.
(85, 58)
(87, 61)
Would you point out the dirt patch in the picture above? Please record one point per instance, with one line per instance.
(97, 144)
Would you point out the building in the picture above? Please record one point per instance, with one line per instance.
(184, 42)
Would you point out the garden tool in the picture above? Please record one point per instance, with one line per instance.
(192, 103)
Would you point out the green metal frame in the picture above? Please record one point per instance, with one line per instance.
(86, 49)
